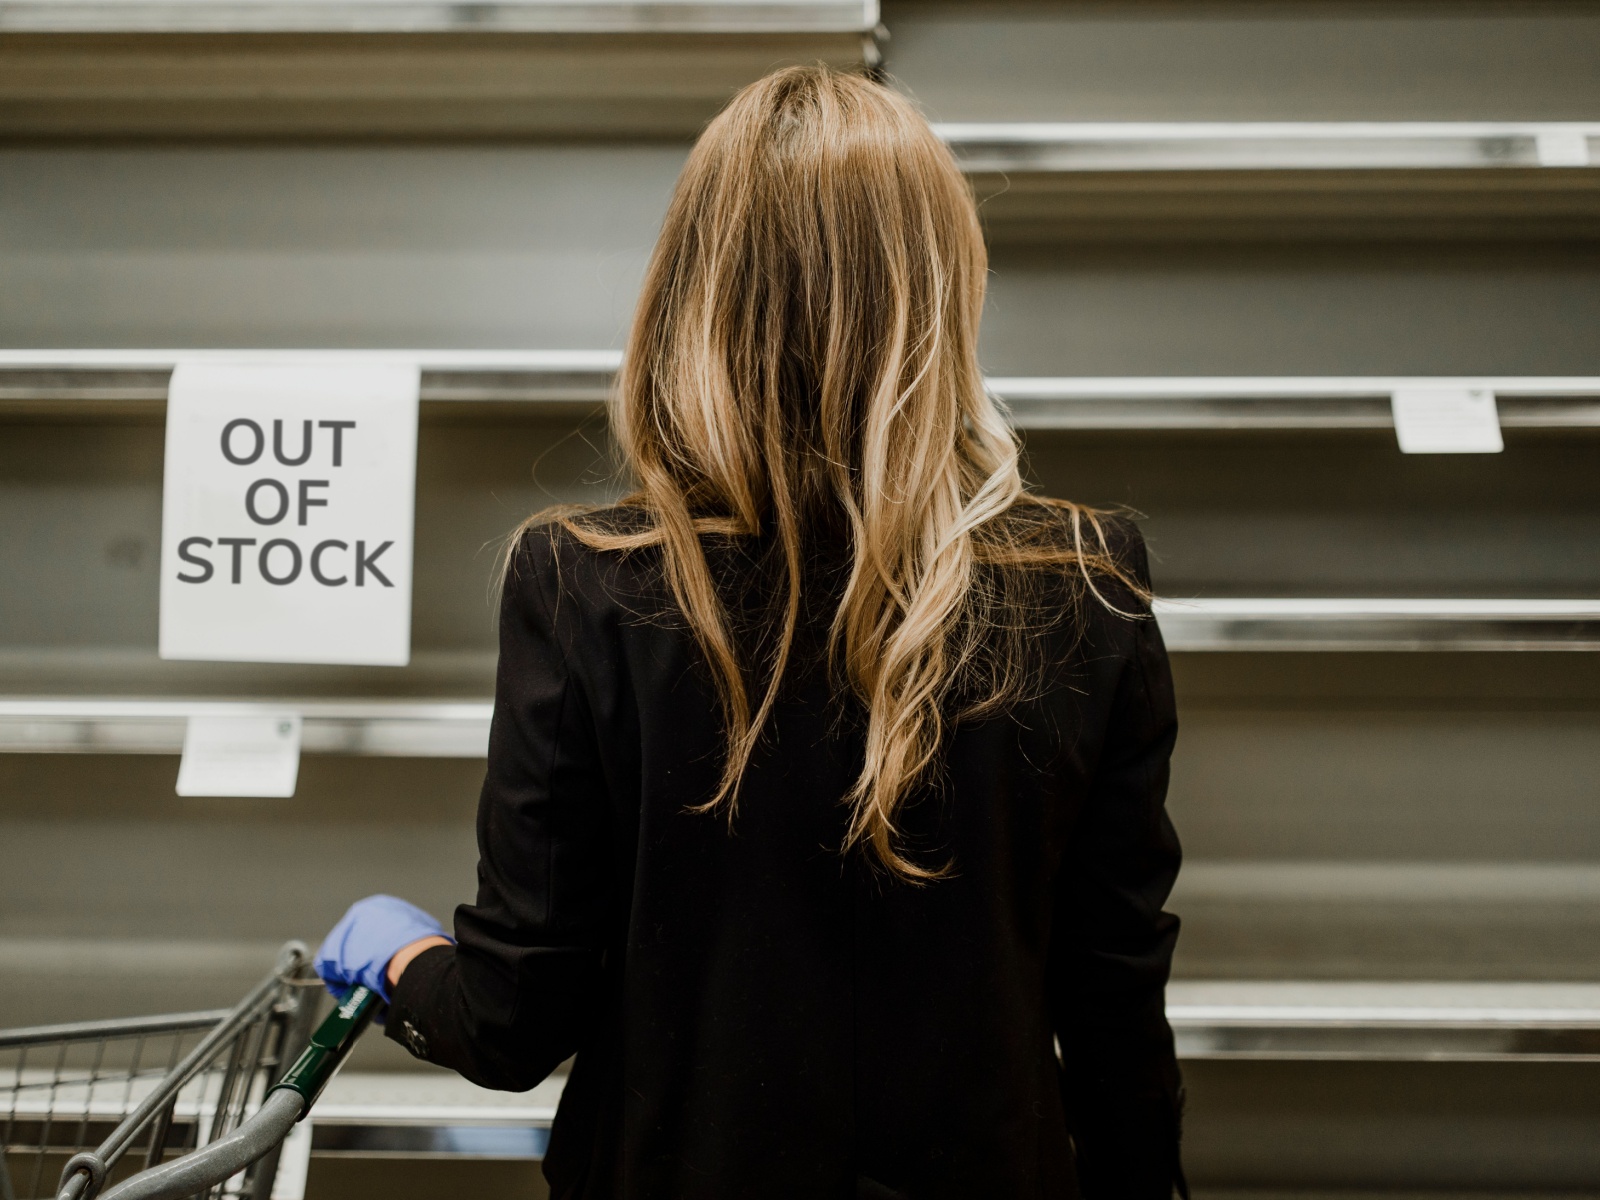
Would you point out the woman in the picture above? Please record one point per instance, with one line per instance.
(824, 812)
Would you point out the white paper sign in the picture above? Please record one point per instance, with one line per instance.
(1439, 420)
(286, 523)
(240, 756)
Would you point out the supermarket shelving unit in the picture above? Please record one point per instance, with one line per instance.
(1389, 905)
(387, 68)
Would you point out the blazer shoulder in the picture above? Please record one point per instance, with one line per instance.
(555, 558)
(1125, 545)
(1117, 570)
(1113, 605)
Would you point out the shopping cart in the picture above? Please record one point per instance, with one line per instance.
(157, 1108)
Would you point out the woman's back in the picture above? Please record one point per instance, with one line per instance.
(824, 798)
(755, 1014)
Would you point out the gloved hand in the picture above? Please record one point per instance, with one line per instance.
(359, 947)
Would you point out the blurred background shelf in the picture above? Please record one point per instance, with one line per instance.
(1392, 1038)
(387, 68)
(444, 728)
(1027, 146)
(1254, 179)
(1460, 914)
(1379, 624)
(133, 383)
(574, 383)
(1359, 1021)
(413, 1113)
(1221, 235)
(1303, 403)
(395, 728)
(425, 16)
(414, 1132)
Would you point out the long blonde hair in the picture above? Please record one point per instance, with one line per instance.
(804, 359)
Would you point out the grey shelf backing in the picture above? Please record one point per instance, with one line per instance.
(94, 383)
(430, 16)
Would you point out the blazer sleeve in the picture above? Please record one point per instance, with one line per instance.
(1112, 948)
(509, 1002)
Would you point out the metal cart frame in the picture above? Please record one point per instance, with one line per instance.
(229, 1085)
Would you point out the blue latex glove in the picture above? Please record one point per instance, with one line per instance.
(360, 946)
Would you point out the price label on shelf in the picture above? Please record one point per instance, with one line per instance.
(1443, 420)
(287, 513)
(1563, 147)
(257, 755)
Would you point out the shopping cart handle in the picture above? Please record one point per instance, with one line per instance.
(325, 1053)
(285, 1103)
(197, 1172)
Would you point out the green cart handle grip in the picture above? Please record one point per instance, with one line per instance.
(325, 1054)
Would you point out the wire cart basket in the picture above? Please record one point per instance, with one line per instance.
(158, 1108)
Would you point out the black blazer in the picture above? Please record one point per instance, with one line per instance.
(755, 1015)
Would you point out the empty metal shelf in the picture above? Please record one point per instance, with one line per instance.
(1379, 624)
(432, 16)
(409, 729)
(410, 1114)
(401, 1115)
(1293, 402)
(392, 68)
(134, 382)
(1266, 1021)
(459, 729)
(1416, 1022)
(97, 383)
(1259, 180)
(1271, 146)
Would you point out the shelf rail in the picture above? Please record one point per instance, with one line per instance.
(1397, 1022)
(105, 383)
(1137, 146)
(1379, 624)
(116, 725)
(460, 728)
(436, 16)
(1280, 403)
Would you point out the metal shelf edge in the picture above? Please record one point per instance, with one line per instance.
(105, 382)
(651, 17)
(39, 724)
(444, 729)
(1136, 147)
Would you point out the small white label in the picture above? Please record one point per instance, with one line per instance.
(286, 525)
(1563, 148)
(241, 756)
(1440, 420)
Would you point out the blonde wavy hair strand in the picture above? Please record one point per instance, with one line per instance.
(806, 342)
